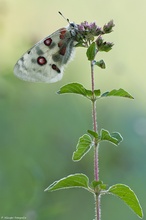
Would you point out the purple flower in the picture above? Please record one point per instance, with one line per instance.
(86, 28)
(107, 28)
(88, 31)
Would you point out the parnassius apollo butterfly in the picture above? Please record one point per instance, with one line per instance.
(45, 61)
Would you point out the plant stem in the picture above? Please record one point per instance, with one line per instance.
(95, 128)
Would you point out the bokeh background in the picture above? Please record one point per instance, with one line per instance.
(39, 129)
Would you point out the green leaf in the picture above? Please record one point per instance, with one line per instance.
(91, 51)
(75, 88)
(83, 146)
(128, 196)
(117, 136)
(98, 187)
(95, 183)
(97, 92)
(89, 94)
(98, 184)
(101, 64)
(105, 46)
(93, 133)
(71, 181)
(80, 44)
(114, 137)
(120, 92)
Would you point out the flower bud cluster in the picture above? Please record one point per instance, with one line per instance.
(88, 31)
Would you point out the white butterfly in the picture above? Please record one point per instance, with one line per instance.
(45, 61)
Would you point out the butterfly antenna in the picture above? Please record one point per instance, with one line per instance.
(64, 17)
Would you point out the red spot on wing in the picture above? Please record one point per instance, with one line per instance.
(54, 67)
(60, 43)
(62, 51)
(62, 33)
(41, 60)
(48, 41)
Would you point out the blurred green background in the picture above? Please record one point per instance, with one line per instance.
(39, 129)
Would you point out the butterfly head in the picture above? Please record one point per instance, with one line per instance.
(73, 29)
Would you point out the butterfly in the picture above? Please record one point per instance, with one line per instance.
(46, 60)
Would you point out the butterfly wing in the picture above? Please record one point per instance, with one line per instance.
(45, 61)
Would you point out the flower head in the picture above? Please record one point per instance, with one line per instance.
(91, 28)
(107, 28)
(88, 31)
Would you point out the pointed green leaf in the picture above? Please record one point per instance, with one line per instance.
(75, 88)
(71, 181)
(120, 92)
(93, 133)
(89, 94)
(105, 94)
(114, 137)
(101, 64)
(97, 92)
(83, 146)
(91, 51)
(105, 46)
(117, 136)
(128, 196)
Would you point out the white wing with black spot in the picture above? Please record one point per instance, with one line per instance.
(45, 61)
(30, 66)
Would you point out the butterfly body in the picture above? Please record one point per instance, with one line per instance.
(46, 60)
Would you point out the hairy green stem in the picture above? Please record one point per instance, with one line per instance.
(95, 128)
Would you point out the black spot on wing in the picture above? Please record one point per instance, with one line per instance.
(54, 67)
(39, 51)
(52, 45)
(33, 60)
(56, 57)
(22, 59)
